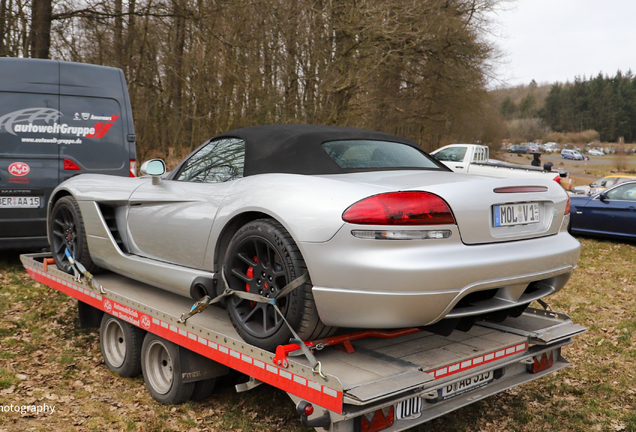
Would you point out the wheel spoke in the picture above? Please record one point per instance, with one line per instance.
(270, 260)
(249, 315)
(59, 247)
(59, 222)
(259, 256)
(243, 257)
(58, 234)
(241, 276)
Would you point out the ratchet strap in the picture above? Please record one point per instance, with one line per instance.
(203, 303)
(79, 270)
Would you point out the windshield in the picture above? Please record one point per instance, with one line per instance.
(366, 154)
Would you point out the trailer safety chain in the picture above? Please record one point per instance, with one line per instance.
(79, 270)
(544, 305)
(204, 302)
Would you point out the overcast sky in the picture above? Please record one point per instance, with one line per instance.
(556, 40)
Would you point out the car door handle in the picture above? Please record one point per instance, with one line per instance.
(460, 167)
(632, 208)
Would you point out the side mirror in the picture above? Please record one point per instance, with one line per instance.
(155, 168)
(602, 196)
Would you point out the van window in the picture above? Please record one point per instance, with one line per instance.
(451, 154)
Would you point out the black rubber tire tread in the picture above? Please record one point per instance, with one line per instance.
(308, 326)
(82, 253)
(180, 392)
(134, 337)
(203, 389)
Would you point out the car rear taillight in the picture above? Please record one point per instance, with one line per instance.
(381, 419)
(400, 208)
(133, 168)
(69, 165)
(567, 206)
(557, 179)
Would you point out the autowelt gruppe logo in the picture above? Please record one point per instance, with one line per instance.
(47, 121)
(19, 169)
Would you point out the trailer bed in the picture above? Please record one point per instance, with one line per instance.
(378, 372)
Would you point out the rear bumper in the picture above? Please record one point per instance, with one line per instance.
(391, 284)
(23, 233)
(24, 243)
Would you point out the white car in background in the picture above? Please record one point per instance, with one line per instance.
(595, 152)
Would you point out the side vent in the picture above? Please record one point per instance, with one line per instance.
(108, 212)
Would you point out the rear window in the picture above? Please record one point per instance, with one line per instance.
(367, 154)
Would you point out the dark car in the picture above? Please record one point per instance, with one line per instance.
(521, 148)
(611, 213)
(57, 119)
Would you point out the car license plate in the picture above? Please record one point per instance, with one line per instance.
(516, 214)
(19, 202)
(467, 385)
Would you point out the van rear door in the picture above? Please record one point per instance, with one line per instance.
(99, 119)
(29, 156)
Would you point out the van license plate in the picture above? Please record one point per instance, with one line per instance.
(19, 202)
(467, 385)
(516, 214)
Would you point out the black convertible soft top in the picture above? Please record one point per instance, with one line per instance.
(297, 148)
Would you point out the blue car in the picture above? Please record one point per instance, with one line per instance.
(611, 213)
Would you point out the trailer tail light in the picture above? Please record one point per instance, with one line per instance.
(133, 168)
(69, 165)
(567, 206)
(379, 420)
(541, 363)
(400, 208)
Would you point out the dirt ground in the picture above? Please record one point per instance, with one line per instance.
(46, 359)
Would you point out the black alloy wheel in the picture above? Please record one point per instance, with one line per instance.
(257, 267)
(66, 231)
(64, 235)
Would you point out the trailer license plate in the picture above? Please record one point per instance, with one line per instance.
(467, 385)
(19, 202)
(516, 214)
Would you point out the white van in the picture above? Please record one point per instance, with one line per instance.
(571, 154)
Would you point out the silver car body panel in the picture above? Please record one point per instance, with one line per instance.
(170, 231)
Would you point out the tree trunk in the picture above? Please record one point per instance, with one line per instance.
(3, 14)
(41, 29)
(119, 30)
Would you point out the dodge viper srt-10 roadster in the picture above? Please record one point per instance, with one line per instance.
(388, 236)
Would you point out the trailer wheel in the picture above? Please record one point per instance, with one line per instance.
(66, 231)
(262, 258)
(120, 344)
(203, 389)
(160, 363)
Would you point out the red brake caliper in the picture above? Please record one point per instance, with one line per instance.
(250, 274)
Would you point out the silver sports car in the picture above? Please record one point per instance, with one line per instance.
(388, 236)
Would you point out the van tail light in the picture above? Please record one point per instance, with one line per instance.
(382, 419)
(567, 206)
(541, 363)
(400, 208)
(69, 165)
(557, 179)
(133, 168)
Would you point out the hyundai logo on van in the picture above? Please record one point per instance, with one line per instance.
(19, 169)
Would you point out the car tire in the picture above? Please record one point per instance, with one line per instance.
(280, 263)
(66, 231)
(120, 343)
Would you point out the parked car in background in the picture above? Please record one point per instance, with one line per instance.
(595, 152)
(57, 120)
(389, 236)
(602, 184)
(611, 213)
(571, 154)
(518, 148)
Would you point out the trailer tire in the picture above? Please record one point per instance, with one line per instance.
(259, 324)
(66, 231)
(161, 366)
(120, 343)
(203, 389)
